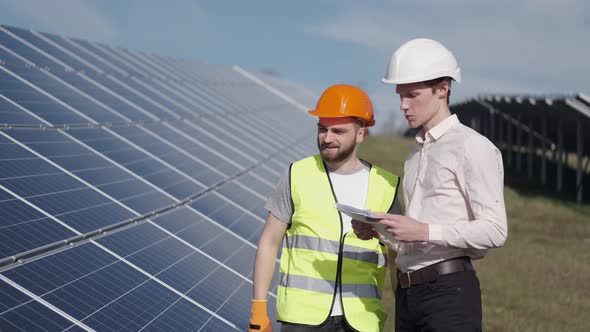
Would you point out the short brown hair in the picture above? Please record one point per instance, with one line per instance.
(436, 81)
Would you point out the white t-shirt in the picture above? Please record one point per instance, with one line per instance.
(350, 188)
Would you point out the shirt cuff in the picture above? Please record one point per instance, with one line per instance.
(435, 232)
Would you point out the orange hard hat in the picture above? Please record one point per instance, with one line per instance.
(342, 100)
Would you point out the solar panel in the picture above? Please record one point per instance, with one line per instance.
(132, 185)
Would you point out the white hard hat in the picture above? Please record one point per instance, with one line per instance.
(420, 60)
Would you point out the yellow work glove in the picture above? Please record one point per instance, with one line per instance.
(259, 321)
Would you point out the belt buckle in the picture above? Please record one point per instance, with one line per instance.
(405, 280)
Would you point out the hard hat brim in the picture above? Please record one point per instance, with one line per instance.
(455, 76)
(368, 123)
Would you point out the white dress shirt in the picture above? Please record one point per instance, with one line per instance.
(453, 181)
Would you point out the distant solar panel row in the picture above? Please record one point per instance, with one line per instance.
(132, 185)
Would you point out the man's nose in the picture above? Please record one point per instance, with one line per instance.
(403, 105)
(329, 137)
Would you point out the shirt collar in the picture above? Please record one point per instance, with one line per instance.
(438, 131)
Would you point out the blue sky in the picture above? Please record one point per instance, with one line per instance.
(503, 46)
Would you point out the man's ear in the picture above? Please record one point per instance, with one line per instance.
(362, 134)
(443, 89)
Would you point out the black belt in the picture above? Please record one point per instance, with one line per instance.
(432, 272)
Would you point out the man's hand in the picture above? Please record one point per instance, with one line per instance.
(364, 231)
(404, 229)
(259, 322)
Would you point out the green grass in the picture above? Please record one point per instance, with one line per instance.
(540, 280)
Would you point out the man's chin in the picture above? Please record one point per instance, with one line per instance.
(413, 124)
(328, 157)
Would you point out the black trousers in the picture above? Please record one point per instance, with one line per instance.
(333, 324)
(450, 303)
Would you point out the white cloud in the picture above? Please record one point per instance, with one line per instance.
(75, 18)
(534, 44)
(364, 27)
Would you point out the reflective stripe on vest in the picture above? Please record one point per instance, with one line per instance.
(316, 255)
(332, 247)
(326, 286)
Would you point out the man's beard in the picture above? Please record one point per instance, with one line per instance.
(341, 155)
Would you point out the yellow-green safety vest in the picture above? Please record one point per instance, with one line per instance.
(316, 256)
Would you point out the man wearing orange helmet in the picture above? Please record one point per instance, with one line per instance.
(453, 190)
(330, 280)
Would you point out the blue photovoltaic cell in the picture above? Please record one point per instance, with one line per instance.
(173, 262)
(136, 60)
(58, 40)
(10, 114)
(196, 104)
(236, 303)
(218, 141)
(137, 99)
(244, 198)
(270, 175)
(227, 103)
(18, 312)
(216, 124)
(164, 63)
(220, 210)
(94, 48)
(239, 139)
(256, 138)
(278, 166)
(185, 316)
(95, 288)
(25, 51)
(177, 263)
(56, 192)
(138, 162)
(134, 310)
(233, 135)
(23, 228)
(35, 101)
(256, 183)
(77, 264)
(156, 85)
(96, 86)
(215, 290)
(209, 104)
(185, 162)
(67, 95)
(9, 60)
(144, 98)
(233, 251)
(147, 247)
(48, 48)
(89, 166)
(186, 142)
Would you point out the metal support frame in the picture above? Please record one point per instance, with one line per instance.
(519, 143)
(580, 157)
(530, 151)
(544, 148)
(559, 156)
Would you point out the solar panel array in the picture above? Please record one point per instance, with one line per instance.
(132, 185)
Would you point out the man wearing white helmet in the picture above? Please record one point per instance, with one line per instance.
(453, 189)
